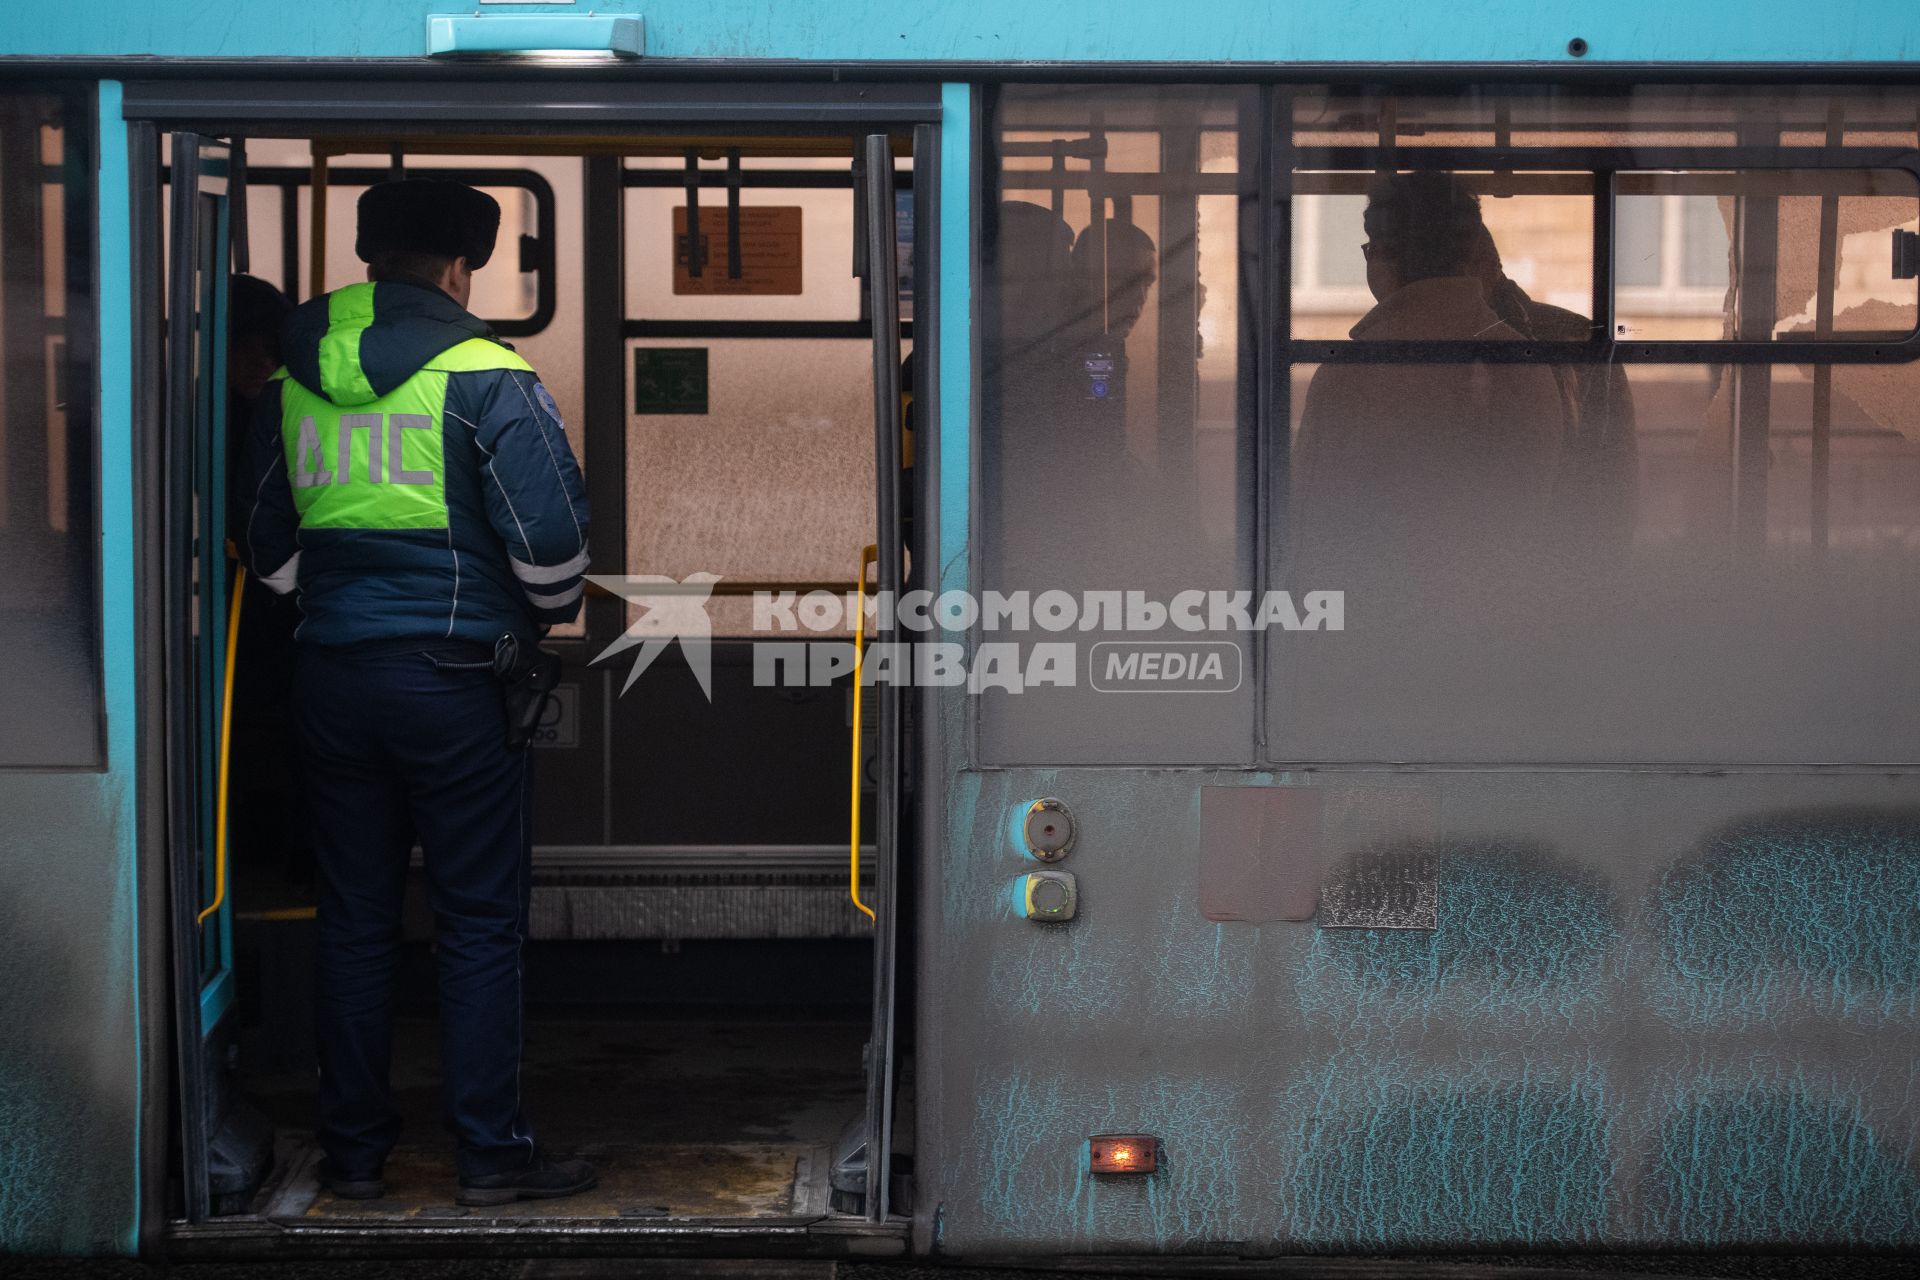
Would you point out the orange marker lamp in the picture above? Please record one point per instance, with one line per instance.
(1123, 1153)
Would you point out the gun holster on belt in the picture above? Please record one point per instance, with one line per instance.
(527, 677)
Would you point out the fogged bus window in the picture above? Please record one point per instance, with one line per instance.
(750, 437)
(1614, 448)
(1596, 409)
(794, 215)
(1116, 413)
(49, 569)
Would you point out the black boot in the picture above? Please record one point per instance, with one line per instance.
(542, 1180)
(357, 1186)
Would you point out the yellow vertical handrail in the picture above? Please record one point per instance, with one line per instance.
(868, 555)
(226, 749)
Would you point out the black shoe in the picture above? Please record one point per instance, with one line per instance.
(542, 1180)
(351, 1187)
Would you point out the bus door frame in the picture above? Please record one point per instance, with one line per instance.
(875, 214)
(869, 113)
(194, 609)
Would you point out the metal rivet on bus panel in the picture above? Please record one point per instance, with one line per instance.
(1577, 47)
(1048, 830)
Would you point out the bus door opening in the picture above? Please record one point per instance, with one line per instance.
(701, 983)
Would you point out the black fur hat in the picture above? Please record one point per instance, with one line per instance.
(428, 215)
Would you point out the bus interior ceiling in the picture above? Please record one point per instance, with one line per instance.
(698, 979)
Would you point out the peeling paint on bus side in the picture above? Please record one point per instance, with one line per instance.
(68, 1047)
(1031, 1151)
(1766, 1151)
(1800, 916)
(1097, 966)
(1520, 942)
(1200, 971)
(1515, 1076)
(1507, 1150)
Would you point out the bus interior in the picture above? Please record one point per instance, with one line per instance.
(700, 970)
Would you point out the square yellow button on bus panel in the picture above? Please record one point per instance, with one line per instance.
(1048, 895)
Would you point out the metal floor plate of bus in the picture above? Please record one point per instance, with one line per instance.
(658, 1183)
(702, 1129)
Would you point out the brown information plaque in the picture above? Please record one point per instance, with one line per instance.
(769, 252)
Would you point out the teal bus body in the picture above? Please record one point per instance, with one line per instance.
(1006, 31)
(78, 1051)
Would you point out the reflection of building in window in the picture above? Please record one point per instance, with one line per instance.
(1329, 272)
(1545, 242)
(1670, 255)
(1673, 259)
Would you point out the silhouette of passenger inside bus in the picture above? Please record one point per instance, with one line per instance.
(1594, 496)
(1413, 467)
(1037, 308)
(268, 825)
(256, 312)
(1037, 304)
(1116, 266)
(1039, 299)
(1118, 297)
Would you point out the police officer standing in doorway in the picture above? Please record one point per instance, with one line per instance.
(407, 475)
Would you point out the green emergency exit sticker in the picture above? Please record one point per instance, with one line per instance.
(670, 380)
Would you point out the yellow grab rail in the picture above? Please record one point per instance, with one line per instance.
(868, 555)
(226, 749)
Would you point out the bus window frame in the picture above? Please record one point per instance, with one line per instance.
(291, 181)
(80, 374)
(1259, 343)
(766, 180)
(1269, 289)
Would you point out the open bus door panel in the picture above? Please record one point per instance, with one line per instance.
(224, 1148)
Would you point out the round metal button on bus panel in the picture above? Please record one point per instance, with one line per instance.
(1048, 830)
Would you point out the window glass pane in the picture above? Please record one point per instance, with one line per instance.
(501, 291)
(48, 559)
(1703, 243)
(796, 247)
(1337, 253)
(772, 484)
(1115, 406)
(1509, 602)
(1764, 229)
(1593, 560)
(1359, 236)
(1639, 224)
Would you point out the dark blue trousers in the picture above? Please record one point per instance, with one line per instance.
(392, 746)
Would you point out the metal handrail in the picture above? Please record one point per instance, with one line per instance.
(226, 751)
(868, 555)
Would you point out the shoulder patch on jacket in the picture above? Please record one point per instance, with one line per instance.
(544, 398)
